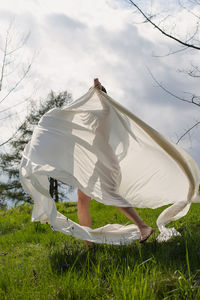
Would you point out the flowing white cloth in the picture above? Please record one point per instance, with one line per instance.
(97, 145)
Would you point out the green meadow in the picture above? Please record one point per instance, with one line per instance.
(38, 263)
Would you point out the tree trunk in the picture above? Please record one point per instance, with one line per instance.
(53, 189)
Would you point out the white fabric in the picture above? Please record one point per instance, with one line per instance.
(111, 155)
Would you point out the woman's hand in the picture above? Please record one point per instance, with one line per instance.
(97, 84)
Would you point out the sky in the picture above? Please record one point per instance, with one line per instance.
(72, 42)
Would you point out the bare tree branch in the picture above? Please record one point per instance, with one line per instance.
(8, 60)
(4, 61)
(193, 99)
(21, 45)
(191, 42)
(12, 137)
(171, 52)
(187, 131)
(193, 72)
(188, 10)
(17, 83)
(14, 114)
(8, 108)
(149, 19)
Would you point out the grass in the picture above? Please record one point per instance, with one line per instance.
(37, 263)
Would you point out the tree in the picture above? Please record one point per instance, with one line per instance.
(9, 162)
(13, 68)
(163, 22)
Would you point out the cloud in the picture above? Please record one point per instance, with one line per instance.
(63, 21)
(78, 42)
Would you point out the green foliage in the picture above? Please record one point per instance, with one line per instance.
(9, 162)
(38, 263)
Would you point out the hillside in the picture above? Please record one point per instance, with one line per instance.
(37, 263)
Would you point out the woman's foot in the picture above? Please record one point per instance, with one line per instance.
(145, 233)
(89, 244)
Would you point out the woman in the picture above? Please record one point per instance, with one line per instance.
(84, 202)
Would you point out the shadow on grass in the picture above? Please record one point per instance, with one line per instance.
(74, 255)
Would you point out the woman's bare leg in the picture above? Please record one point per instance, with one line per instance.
(130, 212)
(83, 211)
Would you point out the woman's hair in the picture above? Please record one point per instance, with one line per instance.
(103, 89)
